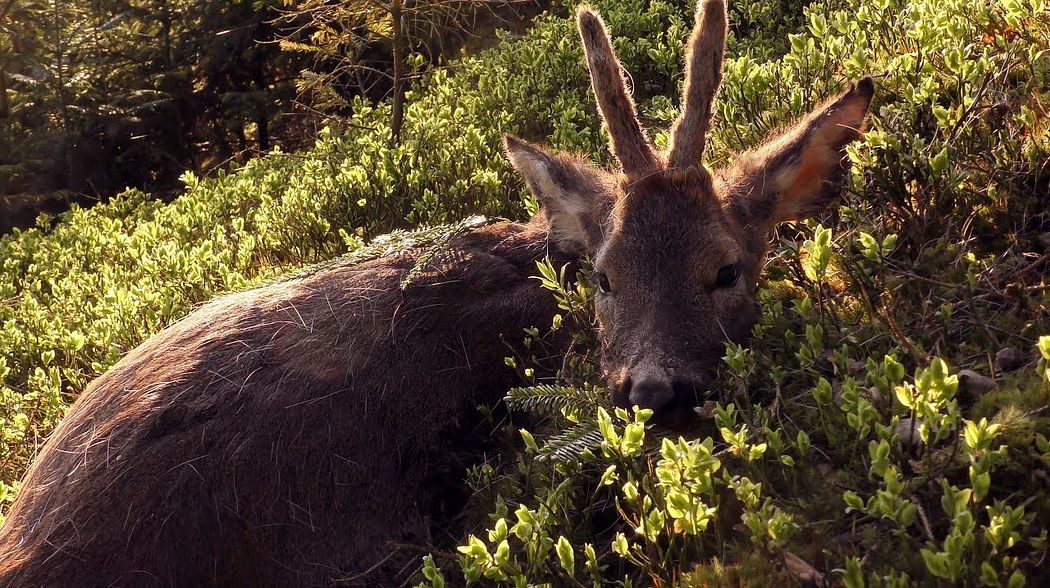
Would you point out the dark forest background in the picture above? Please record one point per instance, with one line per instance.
(100, 95)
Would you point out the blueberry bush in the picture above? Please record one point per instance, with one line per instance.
(887, 426)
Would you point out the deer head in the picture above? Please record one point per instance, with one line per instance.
(677, 250)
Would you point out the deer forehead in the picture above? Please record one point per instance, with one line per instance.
(669, 232)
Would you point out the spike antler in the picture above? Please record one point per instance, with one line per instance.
(626, 135)
(706, 50)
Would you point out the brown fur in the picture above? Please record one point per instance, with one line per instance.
(662, 230)
(294, 434)
(281, 436)
(626, 136)
(798, 172)
(706, 50)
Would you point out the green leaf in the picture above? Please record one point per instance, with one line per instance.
(853, 501)
(802, 442)
(1017, 580)
(981, 482)
(869, 246)
(572, 443)
(936, 563)
(757, 451)
(854, 575)
(501, 557)
(545, 399)
(954, 500)
(432, 573)
(530, 443)
(608, 431)
(592, 561)
(633, 438)
(499, 531)
(905, 394)
(475, 548)
(566, 555)
(989, 577)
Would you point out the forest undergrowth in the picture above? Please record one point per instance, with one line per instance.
(886, 426)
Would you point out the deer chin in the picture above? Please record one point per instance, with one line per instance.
(679, 415)
(689, 396)
(681, 410)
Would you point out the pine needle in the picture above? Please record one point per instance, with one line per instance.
(546, 399)
(571, 443)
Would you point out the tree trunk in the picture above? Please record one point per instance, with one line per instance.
(5, 107)
(262, 107)
(242, 138)
(397, 111)
(263, 125)
(167, 53)
(60, 79)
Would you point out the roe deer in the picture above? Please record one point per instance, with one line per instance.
(291, 434)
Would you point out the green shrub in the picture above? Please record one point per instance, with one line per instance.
(823, 453)
(822, 450)
(77, 294)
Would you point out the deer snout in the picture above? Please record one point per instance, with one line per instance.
(671, 398)
(650, 392)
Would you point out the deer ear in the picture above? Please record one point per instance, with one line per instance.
(576, 196)
(799, 172)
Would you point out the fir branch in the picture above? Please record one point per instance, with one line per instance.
(546, 399)
(569, 444)
(440, 240)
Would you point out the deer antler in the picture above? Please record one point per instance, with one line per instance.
(626, 135)
(705, 52)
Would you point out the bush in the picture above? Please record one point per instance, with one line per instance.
(79, 293)
(822, 454)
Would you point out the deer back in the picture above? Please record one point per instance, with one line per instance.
(287, 435)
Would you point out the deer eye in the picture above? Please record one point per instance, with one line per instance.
(603, 282)
(727, 276)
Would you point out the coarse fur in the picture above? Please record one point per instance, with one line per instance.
(626, 136)
(676, 249)
(706, 50)
(294, 435)
(279, 436)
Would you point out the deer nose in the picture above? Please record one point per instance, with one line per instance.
(650, 392)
